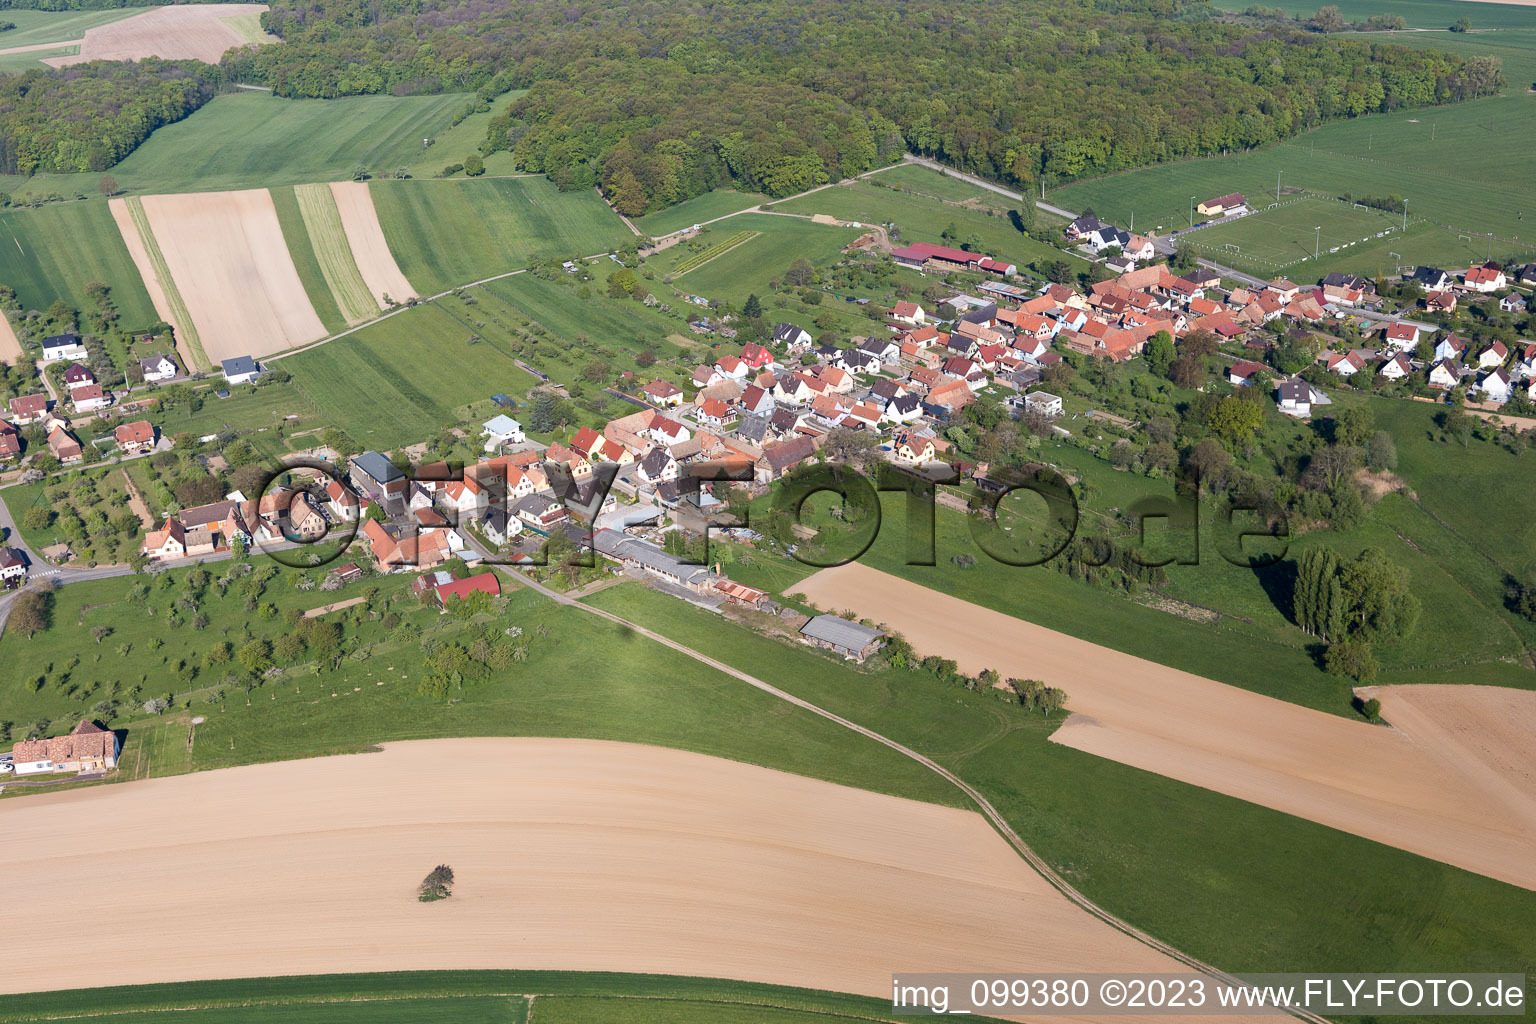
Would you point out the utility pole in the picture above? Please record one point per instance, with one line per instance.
(1317, 241)
(1191, 211)
(1277, 185)
(1405, 215)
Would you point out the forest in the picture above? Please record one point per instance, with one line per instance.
(90, 116)
(659, 101)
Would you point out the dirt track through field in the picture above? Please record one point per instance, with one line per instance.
(187, 31)
(361, 222)
(1405, 787)
(568, 854)
(231, 265)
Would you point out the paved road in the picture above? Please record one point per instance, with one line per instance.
(981, 802)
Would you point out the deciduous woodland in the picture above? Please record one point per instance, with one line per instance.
(658, 102)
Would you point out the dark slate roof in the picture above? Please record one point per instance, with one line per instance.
(753, 428)
(986, 314)
(239, 365)
(787, 332)
(840, 632)
(655, 461)
(376, 466)
(54, 340)
(784, 419)
(905, 403)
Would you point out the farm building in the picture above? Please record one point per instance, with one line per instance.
(849, 639)
(88, 748)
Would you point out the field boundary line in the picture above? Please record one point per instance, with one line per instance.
(717, 250)
(993, 816)
(328, 240)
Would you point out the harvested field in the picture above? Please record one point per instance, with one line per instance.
(133, 225)
(190, 31)
(1405, 786)
(10, 346)
(568, 854)
(369, 249)
(226, 254)
(329, 239)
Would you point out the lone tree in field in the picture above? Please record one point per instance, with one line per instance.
(108, 185)
(436, 886)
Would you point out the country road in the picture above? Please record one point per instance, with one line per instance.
(982, 803)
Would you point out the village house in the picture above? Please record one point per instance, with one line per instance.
(64, 446)
(13, 568)
(158, 368)
(909, 447)
(341, 502)
(781, 458)
(1495, 387)
(1401, 337)
(63, 346)
(1396, 368)
(402, 549)
(1243, 371)
(1452, 346)
(1297, 397)
(240, 370)
(10, 441)
(88, 749)
(540, 511)
(1493, 355)
(850, 639)
(794, 339)
(1446, 373)
(89, 398)
(500, 525)
(1484, 279)
(1044, 403)
(909, 313)
(501, 430)
(1346, 364)
(29, 408)
(1432, 279)
(135, 438)
(713, 413)
(663, 393)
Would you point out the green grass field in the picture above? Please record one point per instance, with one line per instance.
(1278, 238)
(746, 268)
(452, 144)
(473, 997)
(328, 240)
(697, 210)
(302, 247)
(55, 251)
(448, 233)
(1178, 861)
(923, 217)
(928, 182)
(404, 379)
(256, 140)
(1462, 167)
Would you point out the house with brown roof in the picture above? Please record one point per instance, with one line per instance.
(29, 408)
(89, 398)
(64, 446)
(87, 748)
(781, 458)
(135, 438)
(663, 393)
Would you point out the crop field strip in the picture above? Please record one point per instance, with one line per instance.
(186, 329)
(306, 260)
(702, 257)
(329, 240)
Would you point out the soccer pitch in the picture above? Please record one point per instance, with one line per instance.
(1293, 231)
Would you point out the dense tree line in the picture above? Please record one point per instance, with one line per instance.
(660, 101)
(90, 116)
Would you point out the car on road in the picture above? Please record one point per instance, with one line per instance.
(6, 767)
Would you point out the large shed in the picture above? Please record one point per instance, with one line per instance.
(850, 639)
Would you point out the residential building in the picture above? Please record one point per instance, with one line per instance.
(135, 438)
(63, 346)
(241, 370)
(1223, 206)
(87, 749)
(29, 408)
(158, 368)
(13, 568)
(501, 430)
